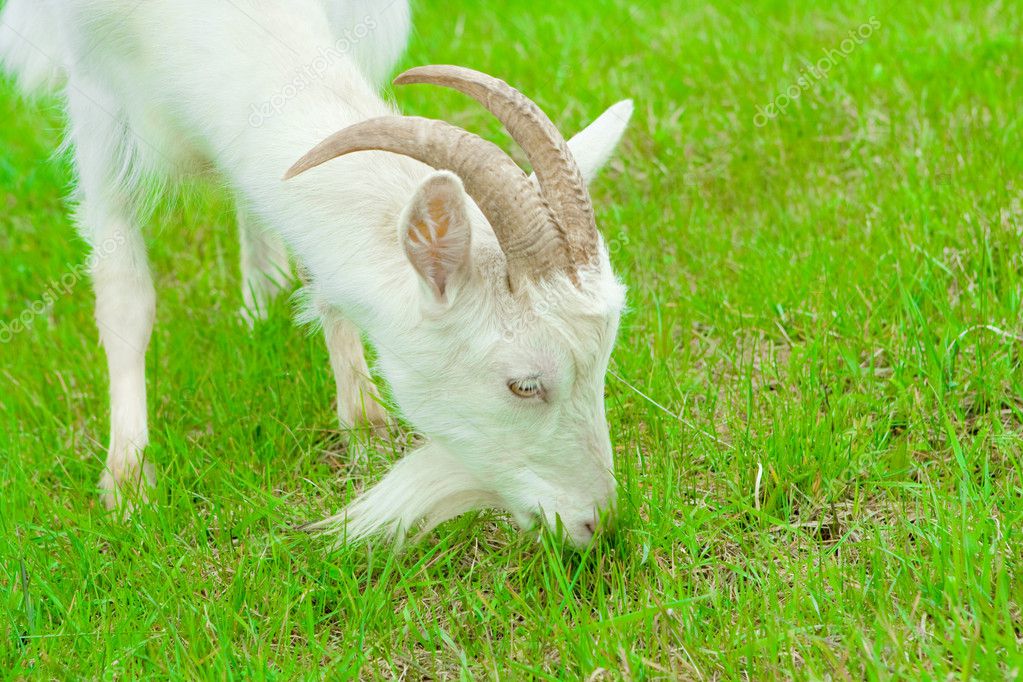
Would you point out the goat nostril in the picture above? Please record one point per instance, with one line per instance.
(591, 527)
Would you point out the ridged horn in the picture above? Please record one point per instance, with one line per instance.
(561, 182)
(520, 217)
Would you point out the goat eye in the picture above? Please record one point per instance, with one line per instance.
(526, 388)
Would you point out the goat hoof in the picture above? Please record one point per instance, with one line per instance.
(251, 317)
(127, 488)
(372, 417)
(384, 427)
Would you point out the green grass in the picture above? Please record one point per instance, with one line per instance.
(821, 476)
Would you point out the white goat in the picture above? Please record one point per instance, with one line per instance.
(492, 304)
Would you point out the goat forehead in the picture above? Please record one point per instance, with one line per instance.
(578, 323)
(589, 321)
(576, 346)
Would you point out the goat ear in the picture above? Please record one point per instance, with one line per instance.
(435, 232)
(592, 146)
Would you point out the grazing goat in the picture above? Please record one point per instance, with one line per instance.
(487, 293)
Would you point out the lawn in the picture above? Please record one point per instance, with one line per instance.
(816, 398)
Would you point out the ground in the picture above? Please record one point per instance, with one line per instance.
(816, 397)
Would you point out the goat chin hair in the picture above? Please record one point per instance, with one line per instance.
(425, 488)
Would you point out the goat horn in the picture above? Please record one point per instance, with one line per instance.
(519, 215)
(561, 182)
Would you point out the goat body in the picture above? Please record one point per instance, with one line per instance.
(164, 88)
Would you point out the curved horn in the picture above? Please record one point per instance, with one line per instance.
(520, 217)
(561, 182)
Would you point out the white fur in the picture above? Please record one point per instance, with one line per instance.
(163, 88)
(31, 46)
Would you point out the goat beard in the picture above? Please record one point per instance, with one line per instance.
(425, 488)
